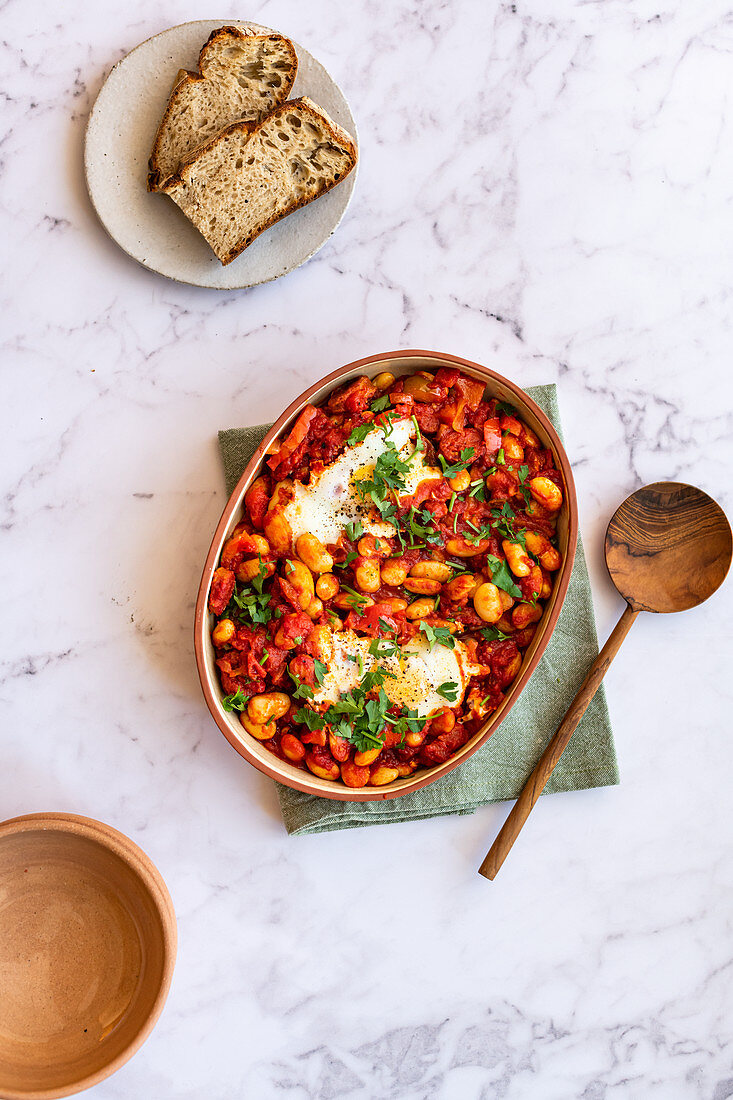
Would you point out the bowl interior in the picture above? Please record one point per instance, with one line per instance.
(400, 364)
(84, 957)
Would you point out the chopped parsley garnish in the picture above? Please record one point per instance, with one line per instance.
(493, 634)
(356, 660)
(360, 432)
(375, 677)
(449, 691)
(380, 404)
(408, 722)
(354, 530)
(387, 479)
(383, 647)
(501, 577)
(251, 603)
(419, 443)
(501, 522)
(523, 474)
(351, 556)
(437, 635)
(320, 668)
(305, 716)
(420, 526)
(482, 534)
(302, 691)
(463, 463)
(361, 715)
(236, 701)
(354, 598)
(387, 482)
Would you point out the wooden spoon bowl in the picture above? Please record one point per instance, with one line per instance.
(668, 547)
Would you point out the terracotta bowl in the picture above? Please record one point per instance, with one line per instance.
(399, 363)
(87, 948)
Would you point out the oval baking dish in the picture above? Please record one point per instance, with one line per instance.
(399, 364)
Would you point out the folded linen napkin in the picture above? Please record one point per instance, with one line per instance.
(499, 769)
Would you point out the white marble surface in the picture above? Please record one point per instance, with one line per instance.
(546, 188)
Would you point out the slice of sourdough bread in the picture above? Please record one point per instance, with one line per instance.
(243, 76)
(247, 178)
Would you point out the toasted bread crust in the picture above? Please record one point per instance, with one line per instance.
(185, 80)
(338, 135)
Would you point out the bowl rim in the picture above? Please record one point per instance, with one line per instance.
(106, 836)
(293, 777)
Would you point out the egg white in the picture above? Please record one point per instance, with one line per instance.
(418, 671)
(329, 501)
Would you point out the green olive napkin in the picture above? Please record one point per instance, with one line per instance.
(500, 767)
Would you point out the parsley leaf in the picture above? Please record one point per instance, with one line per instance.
(502, 524)
(252, 606)
(302, 690)
(419, 443)
(320, 669)
(478, 490)
(449, 691)
(248, 605)
(463, 463)
(493, 634)
(422, 530)
(388, 478)
(354, 530)
(437, 635)
(383, 647)
(354, 598)
(347, 560)
(481, 535)
(356, 660)
(523, 475)
(306, 716)
(236, 701)
(380, 404)
(501, 577)
(408, 722)
(360, 432)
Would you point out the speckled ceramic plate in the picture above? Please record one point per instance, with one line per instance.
(150, 227)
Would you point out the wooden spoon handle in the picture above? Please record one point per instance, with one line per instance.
(547, 763)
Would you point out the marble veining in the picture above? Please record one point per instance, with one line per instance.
(544, 188)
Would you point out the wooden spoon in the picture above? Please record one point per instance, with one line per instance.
(668, 547)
